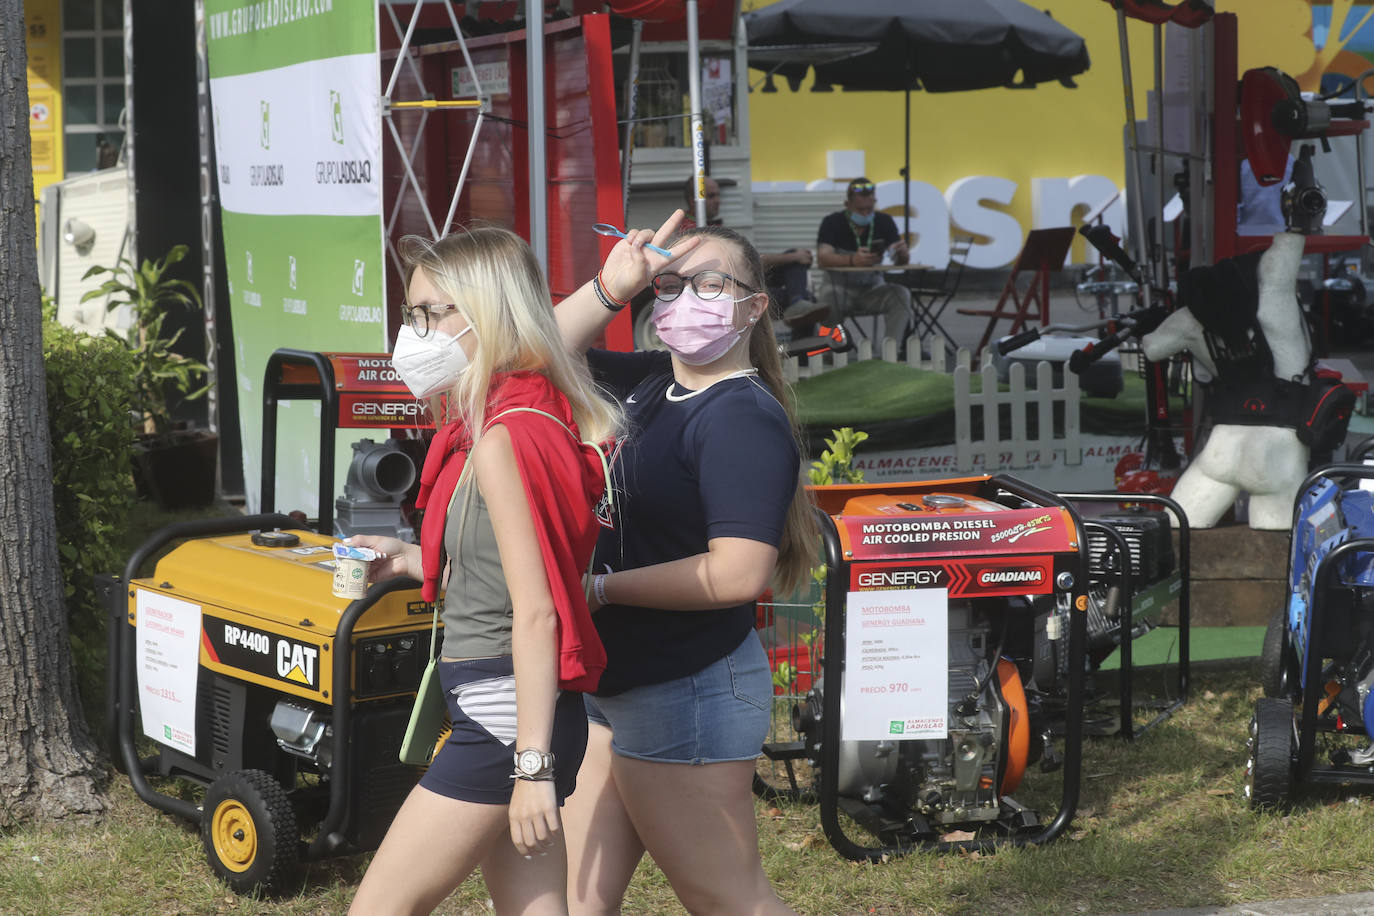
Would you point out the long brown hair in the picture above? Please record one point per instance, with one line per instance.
(797, 551)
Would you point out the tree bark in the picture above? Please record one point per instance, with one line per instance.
(49, 766)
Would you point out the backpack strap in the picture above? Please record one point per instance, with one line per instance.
(600, 452)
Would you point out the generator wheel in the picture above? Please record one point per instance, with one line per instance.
(1269, 770)
(248, 828)
(1274, 665)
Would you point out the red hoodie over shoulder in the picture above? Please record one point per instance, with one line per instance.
(563, 480)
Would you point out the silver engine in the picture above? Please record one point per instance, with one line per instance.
(955, 780)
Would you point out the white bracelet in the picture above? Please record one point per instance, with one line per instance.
(599, 589)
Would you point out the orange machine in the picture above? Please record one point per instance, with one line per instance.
(960, 624)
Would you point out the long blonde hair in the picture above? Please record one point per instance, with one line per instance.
(798, 550)
(491, 275)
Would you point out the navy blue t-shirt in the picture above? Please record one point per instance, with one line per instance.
(721, 463)
(837, 231)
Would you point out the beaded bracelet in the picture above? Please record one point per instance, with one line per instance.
(611, 303)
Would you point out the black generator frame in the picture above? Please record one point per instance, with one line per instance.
(1330, 598)
(832, 668)
(1162, 592)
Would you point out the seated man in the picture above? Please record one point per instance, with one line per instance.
(784, 273)
(858, 236)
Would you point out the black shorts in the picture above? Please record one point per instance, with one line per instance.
(476, 762)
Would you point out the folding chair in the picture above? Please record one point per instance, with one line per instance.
(932, 290)
(1043, 254)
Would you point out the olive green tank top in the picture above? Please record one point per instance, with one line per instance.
(477, 604)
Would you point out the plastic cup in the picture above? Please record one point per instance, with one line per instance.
(350, 578)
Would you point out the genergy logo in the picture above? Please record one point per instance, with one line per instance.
(902, 578)
(387, 409)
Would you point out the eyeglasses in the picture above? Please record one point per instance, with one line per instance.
(861, 187)
(424, 318)
(708, 284)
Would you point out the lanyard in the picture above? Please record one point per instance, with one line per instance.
(861, 243)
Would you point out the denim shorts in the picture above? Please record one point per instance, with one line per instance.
(720, 713)
(476, 762)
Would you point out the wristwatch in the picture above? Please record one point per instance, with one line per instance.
(532, 763)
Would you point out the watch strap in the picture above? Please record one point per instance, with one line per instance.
(545, 770)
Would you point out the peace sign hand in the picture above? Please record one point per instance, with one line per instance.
(631, 266)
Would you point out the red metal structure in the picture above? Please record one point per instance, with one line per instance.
(582, 142)
(1188, 13)
(1227, 132)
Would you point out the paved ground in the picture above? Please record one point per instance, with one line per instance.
(1340, 905)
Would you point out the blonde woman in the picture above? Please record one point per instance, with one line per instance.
(710, 510)
(508, 490)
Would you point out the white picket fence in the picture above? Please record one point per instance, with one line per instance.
(1050, 443)
(937, 361)
(1021, 449)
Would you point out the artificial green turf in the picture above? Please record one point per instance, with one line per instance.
(1204, 644)
(873, 391)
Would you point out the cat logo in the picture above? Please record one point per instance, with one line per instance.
(265, 654)
(296, 661)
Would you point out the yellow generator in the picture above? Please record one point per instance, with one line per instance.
(234, 667)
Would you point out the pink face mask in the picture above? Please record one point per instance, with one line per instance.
(698, 331)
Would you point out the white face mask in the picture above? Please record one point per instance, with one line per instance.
(429, 364)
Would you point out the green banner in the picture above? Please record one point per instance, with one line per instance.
(242, 35)
(296, 93)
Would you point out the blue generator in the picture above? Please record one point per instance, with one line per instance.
(1315, 723)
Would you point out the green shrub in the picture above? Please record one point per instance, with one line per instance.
(837, 461)
(157, 369)
(90, 387)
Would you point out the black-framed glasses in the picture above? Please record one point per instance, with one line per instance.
(708, 284)
(861, 187)
(424, 318)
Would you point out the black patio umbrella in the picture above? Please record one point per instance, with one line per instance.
(935, 45)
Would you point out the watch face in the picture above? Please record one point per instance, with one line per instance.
(530, 761)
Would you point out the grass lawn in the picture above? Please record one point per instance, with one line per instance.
(1162, 822)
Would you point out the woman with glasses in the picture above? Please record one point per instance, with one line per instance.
(508, 489)
(708, 508)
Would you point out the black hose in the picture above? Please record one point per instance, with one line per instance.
(992, 667)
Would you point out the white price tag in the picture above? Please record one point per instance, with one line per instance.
(166, 660)
(896, 673)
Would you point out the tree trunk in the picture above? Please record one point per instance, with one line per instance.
(48, 764)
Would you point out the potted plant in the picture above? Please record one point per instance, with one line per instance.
(172, 463)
